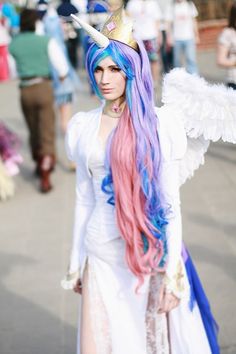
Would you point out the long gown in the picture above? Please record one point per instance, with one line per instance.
(123, 321)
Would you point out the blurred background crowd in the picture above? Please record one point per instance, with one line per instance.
(42, 48)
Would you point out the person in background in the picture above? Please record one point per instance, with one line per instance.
(97, 13)
(33, 55)
(183, 33)
(147, 16)
(10, 13)
(166, 48)
(226, 51)
(4, 42)
(65, 9)
(63, 90)
(81, 5)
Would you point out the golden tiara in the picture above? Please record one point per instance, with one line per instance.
(118, 27)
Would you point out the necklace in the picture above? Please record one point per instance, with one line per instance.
(113, 110)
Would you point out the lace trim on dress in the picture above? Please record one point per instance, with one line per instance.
(99, 318)
(157, 341)
(156, 324)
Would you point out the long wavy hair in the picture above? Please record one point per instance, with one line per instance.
(133, 162)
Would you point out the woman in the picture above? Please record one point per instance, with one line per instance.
(140, 292)
(226, 53)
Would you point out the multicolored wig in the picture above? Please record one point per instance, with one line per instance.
(133, 161)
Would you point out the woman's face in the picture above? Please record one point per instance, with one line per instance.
(110, 79)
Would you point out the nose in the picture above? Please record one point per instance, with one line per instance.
(105, 77)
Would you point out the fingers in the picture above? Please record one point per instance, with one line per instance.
(168, 302)
(78, 287)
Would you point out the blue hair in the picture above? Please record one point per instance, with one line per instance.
(140, 102)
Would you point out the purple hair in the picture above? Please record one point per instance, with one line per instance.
(133, 160)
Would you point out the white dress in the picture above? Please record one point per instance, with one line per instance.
(134, 326)
(125, 322)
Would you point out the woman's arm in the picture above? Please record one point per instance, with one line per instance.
(173, 143)
(170, 192)
(172, 287)
(83, 206)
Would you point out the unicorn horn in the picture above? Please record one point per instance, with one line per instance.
(99, 38)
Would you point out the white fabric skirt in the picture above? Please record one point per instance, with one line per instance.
(127, 322)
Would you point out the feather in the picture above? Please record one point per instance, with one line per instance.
(207, 110)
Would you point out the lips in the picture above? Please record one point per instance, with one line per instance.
(106, 90)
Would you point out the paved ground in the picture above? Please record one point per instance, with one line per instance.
(37, 316)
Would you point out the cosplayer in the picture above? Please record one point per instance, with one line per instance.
(140, 291)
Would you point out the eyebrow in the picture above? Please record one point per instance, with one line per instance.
(110, 67)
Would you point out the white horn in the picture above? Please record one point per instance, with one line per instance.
(99, 38)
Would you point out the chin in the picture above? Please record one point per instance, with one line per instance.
(110, 96)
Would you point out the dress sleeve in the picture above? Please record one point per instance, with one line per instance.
(170, 190)
(83, 206)
(173, 143)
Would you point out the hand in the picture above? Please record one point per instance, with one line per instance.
(62, 78)
(78, 287)
(167, 301)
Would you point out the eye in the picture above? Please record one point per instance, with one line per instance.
(97, 69)
(115, 69)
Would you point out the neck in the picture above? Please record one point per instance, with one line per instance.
(115, 108)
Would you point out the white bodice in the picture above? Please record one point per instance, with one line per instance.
(102, 230)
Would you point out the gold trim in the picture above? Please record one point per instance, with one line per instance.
(175, 284)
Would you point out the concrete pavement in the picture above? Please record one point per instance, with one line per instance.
(36, 315)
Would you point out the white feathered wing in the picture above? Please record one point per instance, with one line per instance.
(208, 113)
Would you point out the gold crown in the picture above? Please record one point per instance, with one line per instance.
(120, 28)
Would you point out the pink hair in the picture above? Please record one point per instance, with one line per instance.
(130, 201)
